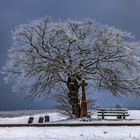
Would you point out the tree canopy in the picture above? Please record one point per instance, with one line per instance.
(46, 53)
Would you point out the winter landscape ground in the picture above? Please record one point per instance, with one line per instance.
(66, 133)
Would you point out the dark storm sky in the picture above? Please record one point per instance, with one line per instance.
(123, 14)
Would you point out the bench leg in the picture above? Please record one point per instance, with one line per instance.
(123, 117)
(103, 116)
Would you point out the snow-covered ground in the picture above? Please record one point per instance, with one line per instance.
(56, 117)
(69, 133)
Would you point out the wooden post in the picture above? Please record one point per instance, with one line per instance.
(47, 118)
(83, 112)
(30, 120)
(41, 119)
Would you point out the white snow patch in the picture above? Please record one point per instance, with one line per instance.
(69, 133)
(59, 118)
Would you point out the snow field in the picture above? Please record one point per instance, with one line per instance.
(57, 117)
(54, 116)
(70, 133)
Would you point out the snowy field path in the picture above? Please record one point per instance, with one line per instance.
(70, 133)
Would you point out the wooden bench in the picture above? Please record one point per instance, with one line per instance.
(120, 113)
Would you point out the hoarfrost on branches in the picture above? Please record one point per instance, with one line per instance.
(46, 53)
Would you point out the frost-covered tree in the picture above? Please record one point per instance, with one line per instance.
(49, 55)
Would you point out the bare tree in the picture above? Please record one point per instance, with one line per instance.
(62, 103)
(64, 107)
(48, 55)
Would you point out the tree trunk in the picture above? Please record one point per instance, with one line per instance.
(73, 87)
